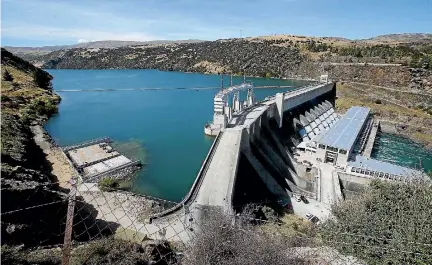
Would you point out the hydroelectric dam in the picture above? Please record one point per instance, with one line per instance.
(252, 158)
(287, 146)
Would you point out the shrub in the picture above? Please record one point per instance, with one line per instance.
(378, 101)
(224, 239)
(388, 224)
(41, 107)
(108, 184)
(15, 85)
(4, 98)
(7, 76)
(269, 213)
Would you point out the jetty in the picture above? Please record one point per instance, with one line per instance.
(96, 159)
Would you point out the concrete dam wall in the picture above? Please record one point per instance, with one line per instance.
(268, 148)
(252, 159)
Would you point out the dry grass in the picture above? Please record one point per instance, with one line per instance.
(290, 225)
(24, 89)
(349, 96)
(423, 137)
(354, 95)
(221, 240)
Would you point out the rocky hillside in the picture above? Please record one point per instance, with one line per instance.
(33, 207)
(30, 53)
(26, 98)
(403, 38)
(285, 56)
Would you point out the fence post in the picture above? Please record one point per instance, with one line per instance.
(69, 221)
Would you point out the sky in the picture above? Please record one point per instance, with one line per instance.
(61, 22)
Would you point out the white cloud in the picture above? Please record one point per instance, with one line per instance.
(53, 33)
(67, 22)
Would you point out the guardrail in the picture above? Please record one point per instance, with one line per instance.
(130, 164)
(195, 186)
(87, 143)
(98, 161)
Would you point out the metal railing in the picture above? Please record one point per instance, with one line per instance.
(195, 186)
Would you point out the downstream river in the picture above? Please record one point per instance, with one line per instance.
(163, 127)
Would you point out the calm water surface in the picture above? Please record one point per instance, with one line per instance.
(167, 124)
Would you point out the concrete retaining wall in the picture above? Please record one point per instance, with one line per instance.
(388, 127)
(352, 184)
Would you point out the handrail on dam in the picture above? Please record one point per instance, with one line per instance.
(195, 186)
(290, 92)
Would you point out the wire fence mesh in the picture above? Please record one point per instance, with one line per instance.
(90, 226)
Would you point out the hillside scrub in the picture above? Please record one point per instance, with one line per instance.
(225, 239)
(390, 223)
(104, 251)
(404, 66)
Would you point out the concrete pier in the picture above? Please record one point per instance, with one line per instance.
(97, 159)
(371, 140)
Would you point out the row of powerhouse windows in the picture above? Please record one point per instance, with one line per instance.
(374, 173)
(334, 149)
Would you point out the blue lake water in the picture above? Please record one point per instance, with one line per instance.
(399, 150)
(167, 124)
(165, 127)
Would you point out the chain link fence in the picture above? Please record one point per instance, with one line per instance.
(90, 226)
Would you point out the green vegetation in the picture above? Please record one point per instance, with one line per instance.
(108, 184)
(42, 79)
(39, 107)
(389, 224)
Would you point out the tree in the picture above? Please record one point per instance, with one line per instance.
(390, 223)
(358, 54)
(41, 78)
(7, 76)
